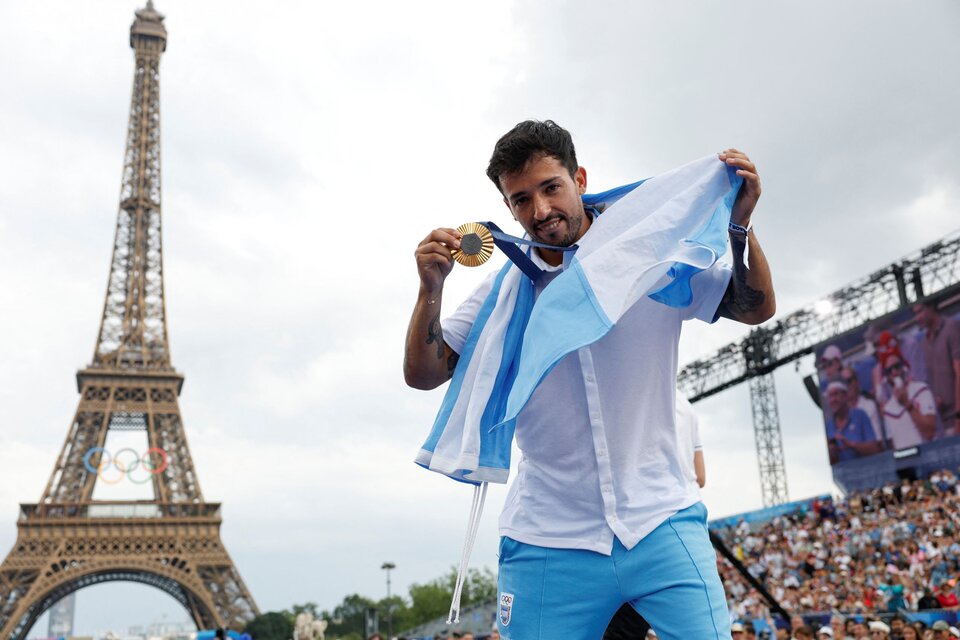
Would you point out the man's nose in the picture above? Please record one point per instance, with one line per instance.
(541, 207)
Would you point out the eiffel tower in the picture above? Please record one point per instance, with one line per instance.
(70, 540)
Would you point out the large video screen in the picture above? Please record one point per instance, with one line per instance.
(888, 391)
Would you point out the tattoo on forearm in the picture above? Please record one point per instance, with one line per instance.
(740, 298)
(435, 335)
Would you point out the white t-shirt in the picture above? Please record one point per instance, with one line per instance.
(898, 421)
(688, 437)
(600, 456)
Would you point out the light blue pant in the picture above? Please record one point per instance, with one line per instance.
(670, 577)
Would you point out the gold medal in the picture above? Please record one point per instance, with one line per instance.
(476, 245)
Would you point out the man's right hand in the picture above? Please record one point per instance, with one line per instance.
(434, 261)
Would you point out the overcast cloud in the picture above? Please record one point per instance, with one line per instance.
(308, 147)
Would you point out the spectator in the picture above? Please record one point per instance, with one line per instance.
(690, 446)
(910, 414)
(829, 365)
(803, 632)
(879, 630)
(941, 353)
(849, 432)
(946, 598)
(897, 623)
(824, 633)
(858, 399)
(941, 630)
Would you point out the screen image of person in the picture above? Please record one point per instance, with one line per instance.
(849, 432)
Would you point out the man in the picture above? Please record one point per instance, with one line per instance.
(688, 432)
(600, 498)
(941, 630)
(829, 366)
(897, 623)
(941, 353)
(849, 432)
(838, 626)
(879, 630)
(860, 400)
(859, 630)
(910, 414)
(824, 633)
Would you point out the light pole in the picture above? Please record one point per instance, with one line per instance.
(388, 566)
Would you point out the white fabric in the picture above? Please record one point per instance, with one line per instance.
(899, 423)
(600, 455)
(688, 437)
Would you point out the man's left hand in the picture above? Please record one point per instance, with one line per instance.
(749, 192)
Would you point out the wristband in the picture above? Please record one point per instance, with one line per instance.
(733, 227)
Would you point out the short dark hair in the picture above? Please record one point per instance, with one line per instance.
(526, 140)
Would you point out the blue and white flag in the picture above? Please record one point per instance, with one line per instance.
(652, 238)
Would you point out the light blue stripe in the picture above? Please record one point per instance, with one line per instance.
(678, 293)
(547, 341)
(456, 382)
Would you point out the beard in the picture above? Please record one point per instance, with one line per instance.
(573, 223)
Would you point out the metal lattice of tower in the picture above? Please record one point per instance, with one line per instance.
(69, 539)
(766, 429)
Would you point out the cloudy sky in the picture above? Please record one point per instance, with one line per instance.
(308, 147)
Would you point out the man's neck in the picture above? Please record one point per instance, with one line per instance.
(552, 258)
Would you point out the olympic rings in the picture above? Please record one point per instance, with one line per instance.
(154, 462)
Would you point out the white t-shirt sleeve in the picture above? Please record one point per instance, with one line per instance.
(695, 433)
(456, 327)
(708, 289)
(924, 401)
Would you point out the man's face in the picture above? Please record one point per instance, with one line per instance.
(831, 366)
(545, 200)
(893, 369)
(837, 399)
(849, 378)
(896, 625)
(924, 315)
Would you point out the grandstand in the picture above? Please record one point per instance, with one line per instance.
(875, 554)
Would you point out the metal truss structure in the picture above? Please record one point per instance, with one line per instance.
(69, 540)
(754, 359)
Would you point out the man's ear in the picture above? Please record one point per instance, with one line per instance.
(580, 177)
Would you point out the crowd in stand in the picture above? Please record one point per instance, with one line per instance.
(892, 549)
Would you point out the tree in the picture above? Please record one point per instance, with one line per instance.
(272, 625)
(432, 600)
(346, 619)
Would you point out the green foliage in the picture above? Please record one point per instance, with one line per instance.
(426, 602)
(346, 619)
(272, 625)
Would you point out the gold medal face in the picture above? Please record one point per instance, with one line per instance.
(476, 245)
